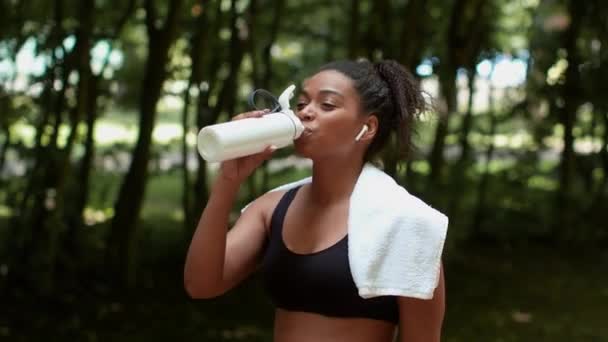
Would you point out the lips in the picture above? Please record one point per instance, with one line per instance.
(306, 132)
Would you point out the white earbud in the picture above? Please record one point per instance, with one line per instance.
(363, 130)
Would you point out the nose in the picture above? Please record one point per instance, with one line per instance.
(306, 113)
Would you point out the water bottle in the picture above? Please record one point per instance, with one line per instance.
(239, 138)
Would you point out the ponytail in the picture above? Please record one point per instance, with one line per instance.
(407, 101)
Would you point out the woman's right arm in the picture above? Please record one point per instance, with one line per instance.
(219, 258)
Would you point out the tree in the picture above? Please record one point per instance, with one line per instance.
(198, 43)
(123, 233)
(463, 37)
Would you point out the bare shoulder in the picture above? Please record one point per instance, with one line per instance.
(264, 206)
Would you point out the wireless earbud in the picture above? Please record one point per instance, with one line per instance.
(363, 130)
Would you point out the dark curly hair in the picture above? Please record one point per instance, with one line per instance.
(390, 92)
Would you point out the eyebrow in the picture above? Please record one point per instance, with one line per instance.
(323, 91)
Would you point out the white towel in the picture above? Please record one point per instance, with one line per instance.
(395, 240)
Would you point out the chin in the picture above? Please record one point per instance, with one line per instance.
(313, 154)
(305, 149)
(302, 151)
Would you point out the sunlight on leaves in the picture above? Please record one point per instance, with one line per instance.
(554, 74)
(165, 132)
(286, 51)
(107, 133)
(5, 211)
(94, 216)
(543, 183)
(177, 215)
(25, 132)
(421, 166)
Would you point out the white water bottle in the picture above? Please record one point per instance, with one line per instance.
(239, 138)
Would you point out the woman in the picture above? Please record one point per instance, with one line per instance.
(349, 110)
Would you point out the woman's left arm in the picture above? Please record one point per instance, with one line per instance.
(421, 320)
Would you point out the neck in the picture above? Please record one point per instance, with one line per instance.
(333, 180)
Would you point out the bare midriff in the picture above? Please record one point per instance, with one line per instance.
(290, 326)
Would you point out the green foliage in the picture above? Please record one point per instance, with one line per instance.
(516, 158)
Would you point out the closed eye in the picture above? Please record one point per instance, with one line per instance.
(328, 106)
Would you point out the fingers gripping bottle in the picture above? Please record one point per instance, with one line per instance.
(234, 139)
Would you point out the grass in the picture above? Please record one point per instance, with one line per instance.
(493, 294)
(525, 293)
(534, 294)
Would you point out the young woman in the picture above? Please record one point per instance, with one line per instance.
(297, 238)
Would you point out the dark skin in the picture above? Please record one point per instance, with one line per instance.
(218, 259)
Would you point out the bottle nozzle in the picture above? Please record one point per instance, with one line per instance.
(284, 103)
(286, 95)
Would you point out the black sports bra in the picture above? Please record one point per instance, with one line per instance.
(319, 282)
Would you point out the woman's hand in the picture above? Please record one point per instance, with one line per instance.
(237, 170)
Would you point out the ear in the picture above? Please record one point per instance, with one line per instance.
(372, 127)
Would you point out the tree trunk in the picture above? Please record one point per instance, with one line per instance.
(197, 46)
(459, 174)
(604, 153)
(86, 164)
(467, 30)
(51, 219)
(482, 192)
(204, 115)
(256, 73)
(226, 97)
(409, 55)
(391, 156)
(252, 27)
(5, 146)
(88, 108)
(36, 257)
(268, 72)
(123, 234)
(378, 45)
(353, 32)
(21, 238)
(467, 121)
(567, 116)
(32, 187)
(59, 107)
(595, 161)
(272, 38)
(448, 90)
(409, 174)
(413, 32)
(83, 59)
(184, 165)
(600, 192)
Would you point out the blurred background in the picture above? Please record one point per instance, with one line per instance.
(101, 186)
